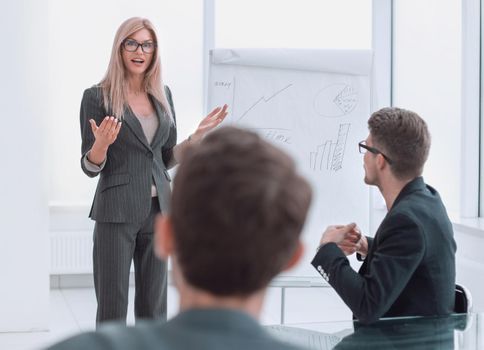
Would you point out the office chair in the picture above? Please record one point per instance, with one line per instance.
(463, 300)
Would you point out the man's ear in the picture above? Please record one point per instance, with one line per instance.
(381, 162)
(296, 256)
(163, 232)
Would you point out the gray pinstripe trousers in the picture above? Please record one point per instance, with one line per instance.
(115, 246)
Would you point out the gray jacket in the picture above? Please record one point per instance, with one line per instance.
(123, 193)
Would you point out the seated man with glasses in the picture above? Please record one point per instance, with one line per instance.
(409, 265)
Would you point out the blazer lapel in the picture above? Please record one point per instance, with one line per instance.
(134, 125)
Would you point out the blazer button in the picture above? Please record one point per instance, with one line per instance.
(149, 154)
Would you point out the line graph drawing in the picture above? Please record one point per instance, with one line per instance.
(335, 100)
(262, 99)
(329, 155)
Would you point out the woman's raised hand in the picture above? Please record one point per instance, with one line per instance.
(208, 123)
(107, 132)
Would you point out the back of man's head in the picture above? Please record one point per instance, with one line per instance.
(403, 136)
(238, 208)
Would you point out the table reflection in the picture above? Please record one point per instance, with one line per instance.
(449, 332)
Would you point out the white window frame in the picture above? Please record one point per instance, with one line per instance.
(471, 110)
(382, 46)
(208, 44)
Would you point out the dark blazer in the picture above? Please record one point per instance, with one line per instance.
(123, 193)
(410, 266)
(202, 329)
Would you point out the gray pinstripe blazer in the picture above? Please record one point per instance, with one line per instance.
(123, 193)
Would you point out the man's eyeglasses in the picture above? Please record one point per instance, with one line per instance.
(132, 45)
(363, 147)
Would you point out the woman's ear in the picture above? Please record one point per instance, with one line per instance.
(163, 232)
(296, 256)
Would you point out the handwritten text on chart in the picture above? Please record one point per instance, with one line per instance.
(277, 136)
(224, 84)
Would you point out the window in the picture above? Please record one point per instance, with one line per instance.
(344, 24)
(427, 80)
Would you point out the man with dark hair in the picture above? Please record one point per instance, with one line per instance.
(237, 210)
(409, 265)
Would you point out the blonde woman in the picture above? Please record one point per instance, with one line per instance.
(128, 130)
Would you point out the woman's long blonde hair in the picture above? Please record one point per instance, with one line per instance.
(115, 86)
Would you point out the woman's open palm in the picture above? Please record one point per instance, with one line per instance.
(214, 118)
(107, 132)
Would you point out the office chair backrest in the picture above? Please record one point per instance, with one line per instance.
(463, 300)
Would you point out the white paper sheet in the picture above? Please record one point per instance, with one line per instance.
(315, 105)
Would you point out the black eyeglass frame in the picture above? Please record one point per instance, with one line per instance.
(373, 150)
(138, 44)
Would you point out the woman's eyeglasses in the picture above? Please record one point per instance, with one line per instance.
(132, 45)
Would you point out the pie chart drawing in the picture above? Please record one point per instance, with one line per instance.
(336, 100)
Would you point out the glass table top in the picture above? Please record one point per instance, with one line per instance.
(462, 331)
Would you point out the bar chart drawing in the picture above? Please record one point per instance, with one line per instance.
(329, 155)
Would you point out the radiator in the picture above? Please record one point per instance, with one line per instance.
(71, 252)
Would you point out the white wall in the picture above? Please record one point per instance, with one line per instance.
(23, 198)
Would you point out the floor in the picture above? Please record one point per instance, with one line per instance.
(73, 310)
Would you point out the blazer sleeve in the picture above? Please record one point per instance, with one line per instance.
(167, 149)
(400, 249)
(91, 108)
